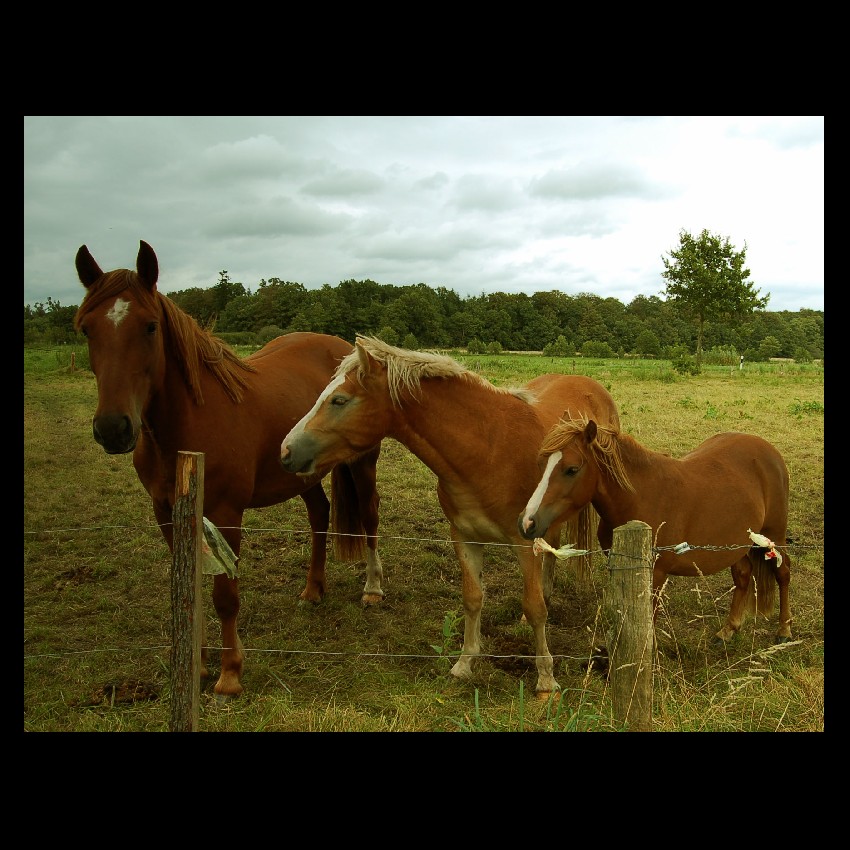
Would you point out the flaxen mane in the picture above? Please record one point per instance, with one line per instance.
(605, 448)
(405, 369)
(194, 345)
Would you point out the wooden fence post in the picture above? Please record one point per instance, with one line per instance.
(629, 628)
(186, 600)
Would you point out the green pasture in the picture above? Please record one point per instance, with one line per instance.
(97, 587)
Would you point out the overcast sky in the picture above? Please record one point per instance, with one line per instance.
(476, 204)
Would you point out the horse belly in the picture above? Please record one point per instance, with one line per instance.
(695, 562)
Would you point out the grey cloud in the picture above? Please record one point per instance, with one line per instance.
(278, 217)
(434, 181)
(343, 184)
(591, 182)
(477, 192)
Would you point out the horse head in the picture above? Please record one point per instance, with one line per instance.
(569, 476)
(121, 319)
(350, 417)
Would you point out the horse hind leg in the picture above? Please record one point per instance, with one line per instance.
(318, 513)
(355, 484)
(373, 593)
(743, 598)
(769, 575)
(586, 538)
(783, 579)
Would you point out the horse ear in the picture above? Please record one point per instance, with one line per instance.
(368, 363)
(590, 432)
(147, 265)
(87, 269)
(363, 355)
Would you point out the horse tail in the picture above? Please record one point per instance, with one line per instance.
(581, 532)
(354, 503)
(764, 573)
(349, 540)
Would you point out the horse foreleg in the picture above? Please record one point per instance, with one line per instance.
(471, 559)
(553, 538)
(225, 596)
(742, 598)
(318, 513)
(535, 612)
(163, 512)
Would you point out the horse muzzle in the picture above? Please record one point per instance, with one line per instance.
(296, 459)
(115, 432)
(529, 527)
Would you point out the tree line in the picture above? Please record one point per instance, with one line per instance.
(708, 304)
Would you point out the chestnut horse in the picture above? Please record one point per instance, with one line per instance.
(166, 385)
(480, 441)
(730, 485)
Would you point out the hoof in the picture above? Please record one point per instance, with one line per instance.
(462, 668)
(369, 599)
(312, 593)
(783, 639)
(545, 696)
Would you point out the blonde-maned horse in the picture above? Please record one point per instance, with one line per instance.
(479, 440)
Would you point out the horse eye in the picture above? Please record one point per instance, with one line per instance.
(570, 471)
(152, 328)
(339, 400)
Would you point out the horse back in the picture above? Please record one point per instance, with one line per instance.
(744, 470)
(303, 343)
(749, 455)
(571, 396)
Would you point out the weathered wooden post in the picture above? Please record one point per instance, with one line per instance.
(629, 628)
(186, 600)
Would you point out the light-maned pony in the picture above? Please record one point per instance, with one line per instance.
(166, 385)
(712, 498)
(480, 441)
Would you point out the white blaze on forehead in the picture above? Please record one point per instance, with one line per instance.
(298, 428)
(118, 311)
(537, 496)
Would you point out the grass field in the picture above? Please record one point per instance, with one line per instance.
(97, 586)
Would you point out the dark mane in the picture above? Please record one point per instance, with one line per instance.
(193, 346)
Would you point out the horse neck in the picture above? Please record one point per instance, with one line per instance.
(645, 469)
(469, 435)
(172, 407)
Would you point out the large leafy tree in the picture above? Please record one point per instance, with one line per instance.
(707, 279)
